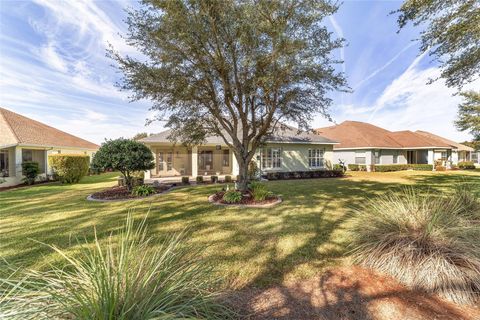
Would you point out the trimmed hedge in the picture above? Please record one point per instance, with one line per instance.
(304, 174)
(421, 167)
(69, 168)
(466, 165)
(357, 167)
(393, 167)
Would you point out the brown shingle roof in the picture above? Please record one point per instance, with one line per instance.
(30, 132)
(457, 145)
(356, 134)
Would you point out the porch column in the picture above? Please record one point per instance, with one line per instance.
(235, 169)
(18, 163)
(368, 159)
(194, 162)
(430, 158)
(454, 156)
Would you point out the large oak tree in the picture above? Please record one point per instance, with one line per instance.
(232, 68)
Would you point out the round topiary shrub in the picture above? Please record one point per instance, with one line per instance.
(426, 242)
(69, 168)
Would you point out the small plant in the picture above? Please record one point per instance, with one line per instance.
(427, 242)
(466, 165)
(228, 179)
(199, 179)
(259, 191)
(232, 196)
(129, 276)
(441, 168)
(30, 170)
(214, 179)
(143, 191)
(185, 180)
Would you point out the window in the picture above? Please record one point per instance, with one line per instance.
(271, 158)
(27, 155)
(360, 158)
(377, 155)
(315, 158)
(160, 161)
(226, 158)
(3, 163)
(444, 155)
(395, 157)
(169, 160)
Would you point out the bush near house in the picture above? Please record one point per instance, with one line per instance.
(400, 167)
(30, 170)
(304, 174)
(69, 168)
(228, 179)
(199, 179)
(185, 180)
(466, 165)
(214, 179)
(357, 167)
(427, 242)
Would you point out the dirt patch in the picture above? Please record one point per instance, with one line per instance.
(247, 199)
(349, 293)
(121, 193)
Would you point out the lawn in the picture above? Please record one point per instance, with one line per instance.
(294, 240)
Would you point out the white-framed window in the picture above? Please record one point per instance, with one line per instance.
(360, 157)
(315, 158)
(226, 158)
(271, 158)
(27, 155)
(377, 154)
(444, 155)
(4, 171)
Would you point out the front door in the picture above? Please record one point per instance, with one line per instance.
(164, 162)
(205, 160)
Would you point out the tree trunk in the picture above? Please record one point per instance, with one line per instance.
(243, 174)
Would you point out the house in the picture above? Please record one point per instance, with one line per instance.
(364, 143)
(23, 139)
(285, 150)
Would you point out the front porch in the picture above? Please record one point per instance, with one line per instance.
(11, 159)
(172, 162)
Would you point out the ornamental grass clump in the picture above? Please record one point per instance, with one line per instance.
(128, 276)
(427, 242)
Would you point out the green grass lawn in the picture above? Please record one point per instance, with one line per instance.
(247, 246)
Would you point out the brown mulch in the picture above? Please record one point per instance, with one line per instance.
(349, 293)
(120, 193)
(247, 199)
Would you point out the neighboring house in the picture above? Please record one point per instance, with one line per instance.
(364, 143)
(286, 150)
(23, 139)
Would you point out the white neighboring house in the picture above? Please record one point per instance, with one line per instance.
(366, 144)
(23, 139)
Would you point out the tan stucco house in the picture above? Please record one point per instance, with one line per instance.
(285, 150)
(366, 144)
(24, 139)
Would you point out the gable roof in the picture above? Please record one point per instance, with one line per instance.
(459, 146)
(356, 134)
(16, 129)
(286, 134)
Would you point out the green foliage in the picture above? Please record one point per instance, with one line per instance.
(420, 167)
(304, 174)
(427, 242)
(140, 136)
(228, 179)
(451, 34)
(214, 179)
(69, 168)
(185, 180)
(232, 196)
(124, 277)
(399, 167)
(466, 165)
(274, 57)
(252, 170)
(124, 155)
(143, 191)
(259, 191)
(468, 117)
(30, 170)
(199, 179)
(338, 167)
(357, 167)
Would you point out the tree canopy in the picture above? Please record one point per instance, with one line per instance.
(140, 136)
(452, 34)
(468, 118)
(232, 68)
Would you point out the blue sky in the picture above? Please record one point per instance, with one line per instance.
(53, 69)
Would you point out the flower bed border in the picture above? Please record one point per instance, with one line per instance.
(90, 198)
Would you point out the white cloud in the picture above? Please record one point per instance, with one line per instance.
(52, 58)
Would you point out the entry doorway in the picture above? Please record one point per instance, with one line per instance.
(205, 160)
(164, 162)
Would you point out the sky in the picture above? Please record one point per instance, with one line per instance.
(54, 69)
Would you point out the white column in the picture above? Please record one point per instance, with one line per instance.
(235, 168)
(18, 163)
(431, 159)
(195, 162)
(368, 159)
(454, 157)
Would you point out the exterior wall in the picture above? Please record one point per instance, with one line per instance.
(295, 156)
(386, 156)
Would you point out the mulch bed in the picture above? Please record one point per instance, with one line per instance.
(247, 199)
(121, 193)
(347, 293)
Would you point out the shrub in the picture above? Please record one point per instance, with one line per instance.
(30, 170)
(69, 168)
(259, 191)
(232, 196)
(199, 179)
(124, 155)
(143, 190)
(214, 179)
(427, 242)
(337, 167)
(185, 180)
(441, 168)
(357, 167)
(466, 165)
(420, 167)
(228, 179)
(252, 170)
(390, 167)
(124, 277)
